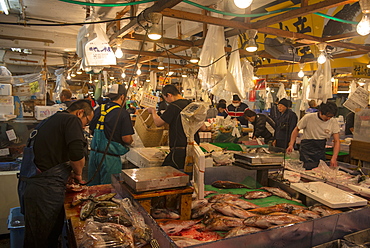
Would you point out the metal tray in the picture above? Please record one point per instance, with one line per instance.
(260, 159)
(154, 178)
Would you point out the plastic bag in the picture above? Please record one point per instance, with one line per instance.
(222, 158)
(192, 118)
(235, 69)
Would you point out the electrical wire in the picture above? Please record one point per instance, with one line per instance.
(107, 4)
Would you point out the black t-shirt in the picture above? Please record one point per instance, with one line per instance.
(173, 118)
(54, 137)
(350, 123)
(124, 126)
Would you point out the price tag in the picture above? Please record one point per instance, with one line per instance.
(11, 134)
(4, 152)
(149, 101)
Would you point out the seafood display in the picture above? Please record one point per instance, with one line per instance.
(256, 195)
(228, 185)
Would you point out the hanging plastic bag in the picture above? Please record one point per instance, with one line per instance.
(235, 68)
(281, 92)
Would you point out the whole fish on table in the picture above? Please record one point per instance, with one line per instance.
(256, 195)
(228, 185)
(199, 203)
(282, 207)
(87, 209)
(223, 223)
(200, 210)
(267, 221)
(241, 230)
(232, 210)
(164, 214)
(223, 197)
(198, 232)
(324, 210)
(242, 203)
(307, 214)
(185, 241)
(278, 192)
(175, 226)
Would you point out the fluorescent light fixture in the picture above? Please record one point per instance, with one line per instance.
(4, 7)
(342, 91)
(111, 77)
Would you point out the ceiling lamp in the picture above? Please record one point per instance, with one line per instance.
(363, 27)
(73, 74)
(138, 72)
(251, 44)
(119, 53)
(79, 72)
(155, 32)
(123, 75)
(322, 57)
(368, 65)
(4, 7)
(194, 55)
(301, 73)
(242, 4)
(69, 76)
(183, 73)
(160, 65)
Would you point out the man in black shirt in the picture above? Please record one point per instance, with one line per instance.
(59, 152)
(177, 137)
(259, 122)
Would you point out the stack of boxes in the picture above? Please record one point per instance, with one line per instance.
(6, 100)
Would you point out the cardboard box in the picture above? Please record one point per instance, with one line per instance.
(42, 112)
(7, 110)
(6, 101)
(5, 89)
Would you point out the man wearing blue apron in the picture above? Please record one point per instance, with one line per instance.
(56, 152)
(111, 122)
(317, 128)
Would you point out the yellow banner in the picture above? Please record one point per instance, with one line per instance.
(360, 70)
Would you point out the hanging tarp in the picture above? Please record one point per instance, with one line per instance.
(237, 84)
(305, 90)
(321, 83)
(281, 92)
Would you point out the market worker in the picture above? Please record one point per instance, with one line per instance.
(260, 123)
(237, 107)
(177, 137)
(312, 107)
(221, 109)
(59, 153)
(350, 123)
(317, 128)
(66, 97)
(102, 127)
(284, 123)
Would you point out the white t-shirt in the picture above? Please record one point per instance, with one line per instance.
(315, 128)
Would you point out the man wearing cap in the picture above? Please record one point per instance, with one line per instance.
(111, 121)
(236, 109)
(284, 124)
(317, 128)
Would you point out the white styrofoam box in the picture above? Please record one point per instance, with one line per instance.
(209, 162)
(5, 89)
(42, 112)
(6, 101)
(198, 171)
(6, 110)
(329, 195)
(145, 156)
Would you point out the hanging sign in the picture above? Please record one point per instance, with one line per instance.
(149, 101)
(358, 100)
(360, 70)
(98, 52)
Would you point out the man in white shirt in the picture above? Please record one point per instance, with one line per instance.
(317, 128)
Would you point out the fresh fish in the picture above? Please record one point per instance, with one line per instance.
(211, 214)
(223, 223)
(105, 197)
(164, 214)
(242, 203)
(324, 210)
(172, 227)
(266, 221)
(209, 192)
(223, 197)
(232, 210)
(142, 235)
(87, 209)
(256, 195)
(199, 203)
(228, 185)
(106, 204)
(200, 211)
(241, 230)
(81, 198)
(198, 232)
(278, 192)
(112, 215)
(307, 214)
(185, 241)
(283, 207)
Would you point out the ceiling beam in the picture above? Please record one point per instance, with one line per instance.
(143, 16)
(8, 37)
(304, 10)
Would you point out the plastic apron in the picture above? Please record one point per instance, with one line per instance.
(311, 152)
(112, 162)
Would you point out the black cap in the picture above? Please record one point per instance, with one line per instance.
(287, 103)
(116, 90)
(236, 98)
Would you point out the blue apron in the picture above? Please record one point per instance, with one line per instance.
(112, 162)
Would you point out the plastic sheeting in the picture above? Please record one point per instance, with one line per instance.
(305, 90)
(60, 83)
(247, 72)
(189, 87)
(237, 84)
(281, 92)
(320, 82)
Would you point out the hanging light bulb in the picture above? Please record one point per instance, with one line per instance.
(322, 57)
(301, 73)
(160, 65)
(69, 76)
(73, 74)
(363, 27)
(194, 55)
(251, 46)
(242, 4)
(332, 79)
(155, 32)
(119, 53)
(368, 65)
(79, 72)
(111, 78)
(138, 72)
(123, 75)
(183, 73)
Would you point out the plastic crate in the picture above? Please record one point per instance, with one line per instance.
(16, 227)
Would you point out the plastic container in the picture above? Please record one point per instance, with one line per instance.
(362, 126)
(16, 227)
(145, 157)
